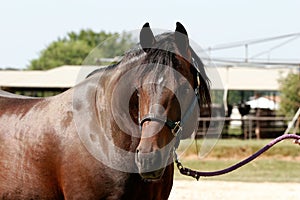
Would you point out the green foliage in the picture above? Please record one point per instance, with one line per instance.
(61, 53)
(290, 94)
(75, 47)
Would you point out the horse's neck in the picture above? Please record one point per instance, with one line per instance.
(11, 95)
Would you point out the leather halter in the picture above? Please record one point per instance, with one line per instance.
(175, 126)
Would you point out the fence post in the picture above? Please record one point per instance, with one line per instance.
(250, 128)
(290, 125)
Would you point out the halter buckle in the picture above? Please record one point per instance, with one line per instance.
(177, 128)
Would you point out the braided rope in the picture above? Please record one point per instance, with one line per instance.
(197, 174)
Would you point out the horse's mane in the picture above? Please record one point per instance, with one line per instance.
(204, 90)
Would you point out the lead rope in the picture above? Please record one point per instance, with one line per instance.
(197, 174)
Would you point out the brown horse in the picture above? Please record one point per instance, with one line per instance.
(110, 137)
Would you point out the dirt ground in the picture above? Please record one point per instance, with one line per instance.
(219, 190)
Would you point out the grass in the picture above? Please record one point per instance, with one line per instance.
(235, 148)
(279, 164)
(263, 170)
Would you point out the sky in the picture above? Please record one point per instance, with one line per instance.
(27, 27)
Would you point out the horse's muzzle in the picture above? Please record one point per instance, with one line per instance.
(150, 165)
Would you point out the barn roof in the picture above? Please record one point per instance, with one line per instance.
(60, 77)
(248, 78)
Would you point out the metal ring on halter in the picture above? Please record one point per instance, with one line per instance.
(177, 128)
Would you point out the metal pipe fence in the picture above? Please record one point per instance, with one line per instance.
(247, 127)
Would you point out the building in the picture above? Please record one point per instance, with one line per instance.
(222, 78)
(37, 83)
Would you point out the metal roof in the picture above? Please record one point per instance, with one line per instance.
(248, 78)
(223, 77)
(60, 77)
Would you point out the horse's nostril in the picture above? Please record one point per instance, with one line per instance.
(149, 161)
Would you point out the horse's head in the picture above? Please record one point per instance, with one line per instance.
(172, 83)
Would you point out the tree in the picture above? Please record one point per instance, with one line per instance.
(75, 47)
(290, 94)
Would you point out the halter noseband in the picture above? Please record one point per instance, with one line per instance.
(175, 126)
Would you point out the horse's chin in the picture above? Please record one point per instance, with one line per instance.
(153, 176)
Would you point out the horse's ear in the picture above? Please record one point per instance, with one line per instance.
(147, 39)
(181, 39)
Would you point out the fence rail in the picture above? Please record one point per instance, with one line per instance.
(247, 127)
